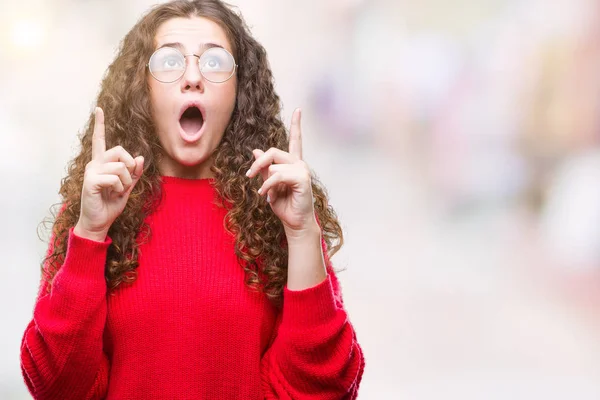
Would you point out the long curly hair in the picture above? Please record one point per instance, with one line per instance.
(255, 123)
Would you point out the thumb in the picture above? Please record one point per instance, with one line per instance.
(139, 168)
(264, 173)
(257, 153)
(137, 172)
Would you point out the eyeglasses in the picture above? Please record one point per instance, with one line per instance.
(168, 65)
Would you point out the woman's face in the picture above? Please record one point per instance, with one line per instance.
(189, 138)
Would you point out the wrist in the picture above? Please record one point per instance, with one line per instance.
(97, 236)
(309, 232)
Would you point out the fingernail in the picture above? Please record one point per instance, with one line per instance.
(249, 171)
(260, 191)
(268, 198)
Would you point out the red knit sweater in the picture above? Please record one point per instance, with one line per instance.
(188, 327)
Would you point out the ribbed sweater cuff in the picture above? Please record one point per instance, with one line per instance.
(309, 308)
(85, 259)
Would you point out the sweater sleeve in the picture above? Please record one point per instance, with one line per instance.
(314, 353)
(62, 349)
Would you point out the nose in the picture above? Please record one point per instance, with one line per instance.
(192, 78)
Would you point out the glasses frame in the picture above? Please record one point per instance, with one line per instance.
(185, 56)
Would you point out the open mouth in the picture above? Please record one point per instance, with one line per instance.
(191, 121)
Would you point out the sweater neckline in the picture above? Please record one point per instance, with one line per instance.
(186, 181)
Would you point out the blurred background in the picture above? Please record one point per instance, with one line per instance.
(459, 141)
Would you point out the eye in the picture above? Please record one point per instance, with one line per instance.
(167, 59)
(171, 62)
(216, 59)
(211, 63)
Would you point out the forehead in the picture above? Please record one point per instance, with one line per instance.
(192, 33)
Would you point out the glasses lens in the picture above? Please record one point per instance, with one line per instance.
(217, 65)
(167, 64)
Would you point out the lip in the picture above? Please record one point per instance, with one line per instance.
(185, 136)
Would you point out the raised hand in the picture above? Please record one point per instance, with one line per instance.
(287, 182)
(109, 179)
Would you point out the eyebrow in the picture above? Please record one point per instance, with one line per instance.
(180, 47)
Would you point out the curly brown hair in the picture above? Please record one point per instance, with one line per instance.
(255, 123)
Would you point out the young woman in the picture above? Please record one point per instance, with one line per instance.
(190, 257)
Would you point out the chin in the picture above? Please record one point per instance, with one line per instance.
(191, 157)
(190, 161)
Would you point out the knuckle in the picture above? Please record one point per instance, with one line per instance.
(90, 168)
(128, 160)
(306, 175)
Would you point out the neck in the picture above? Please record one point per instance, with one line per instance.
(170, 167)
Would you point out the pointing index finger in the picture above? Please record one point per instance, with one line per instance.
(98, 136)
(296, 135)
